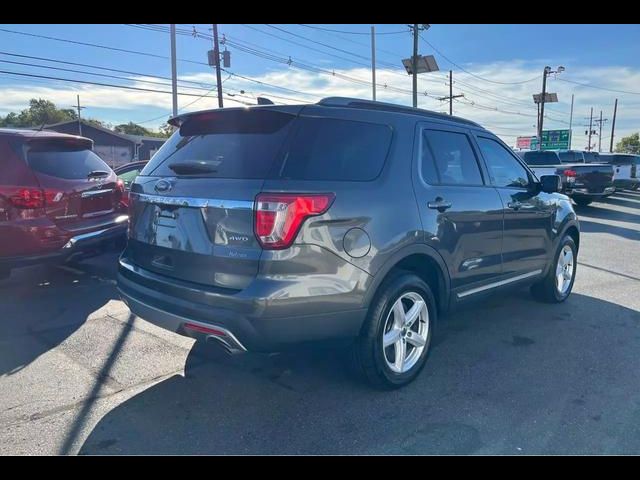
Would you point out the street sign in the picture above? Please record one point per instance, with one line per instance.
(555, 139)
(424, 63)
(551, 140)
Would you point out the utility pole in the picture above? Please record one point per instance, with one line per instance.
(600, 122)
(216, 54)
(174, 74)
(571, 123)
(590, 128)
(414, 64)
(79, 119)
(542, 98)
(451, 95)
(373, 60)
(613, 124)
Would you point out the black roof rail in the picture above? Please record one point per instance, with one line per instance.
(390, 107)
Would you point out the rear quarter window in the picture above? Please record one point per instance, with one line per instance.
(336, 150)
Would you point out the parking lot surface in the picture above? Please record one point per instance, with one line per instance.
(80, 375)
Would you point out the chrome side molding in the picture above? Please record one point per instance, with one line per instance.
(192, 201)
(489, 286)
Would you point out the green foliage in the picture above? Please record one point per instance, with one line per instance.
(45, 112)
(132, 129)
(630, 144)
(40, 112)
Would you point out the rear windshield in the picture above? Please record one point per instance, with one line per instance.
(571, 157)
(255, 144)
(591, 157)
(332, 149)
(67, 162)
(231, 144)
(541, 158)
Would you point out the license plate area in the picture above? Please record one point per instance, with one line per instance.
(96, 203)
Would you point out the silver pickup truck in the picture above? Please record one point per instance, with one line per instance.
(584, 177)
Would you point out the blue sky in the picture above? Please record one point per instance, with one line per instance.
(497, 68)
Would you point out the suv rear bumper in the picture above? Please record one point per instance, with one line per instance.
(77, 246)
(247, 322)
(586, 192)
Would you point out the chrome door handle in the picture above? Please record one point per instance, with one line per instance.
(439, 204)
(514, 205)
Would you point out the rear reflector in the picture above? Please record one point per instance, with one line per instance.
(279, 216)
(203, 329)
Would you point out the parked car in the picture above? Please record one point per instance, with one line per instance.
(262, 227)
(58, 199)
(127, 174)
(584, 179)
(625, 166)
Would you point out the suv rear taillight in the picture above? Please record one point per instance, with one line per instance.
(278, 216)
(30, 197)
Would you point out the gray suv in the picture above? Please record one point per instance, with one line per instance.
(259, 228)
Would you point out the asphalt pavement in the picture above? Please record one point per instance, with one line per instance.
(80, 375)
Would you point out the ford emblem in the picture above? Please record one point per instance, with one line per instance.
(163, 186)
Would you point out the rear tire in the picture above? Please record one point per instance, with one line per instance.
(551, 289)
(582, 202)
(406, 332)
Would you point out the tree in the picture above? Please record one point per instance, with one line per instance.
(132, 129)
(40, 112)
(166, 130)
(630, 144)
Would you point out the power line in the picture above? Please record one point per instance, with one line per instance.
(351, 33)
(597, 87)
(95, 45)
(97, 67)
(473, 74)
(126, 87)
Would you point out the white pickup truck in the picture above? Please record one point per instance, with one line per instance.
(625, 168)
(584, 177)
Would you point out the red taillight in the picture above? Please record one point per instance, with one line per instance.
(280, 215)
(570, 173)
(30, 197)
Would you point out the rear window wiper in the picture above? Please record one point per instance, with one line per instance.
(98, 173)
(192, 168)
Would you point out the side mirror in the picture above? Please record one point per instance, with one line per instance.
(551, 183)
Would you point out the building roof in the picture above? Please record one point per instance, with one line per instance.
(91, 125)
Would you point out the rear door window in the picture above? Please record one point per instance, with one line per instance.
(66, 162)
(448, 159)
(333, 149)
(239, 144)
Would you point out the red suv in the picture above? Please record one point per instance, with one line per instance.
(58, 199)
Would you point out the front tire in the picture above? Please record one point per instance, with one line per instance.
(557, 285)
(395, 341)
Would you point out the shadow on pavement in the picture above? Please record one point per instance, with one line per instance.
(43, 305)
(596, 227)
(542, 381)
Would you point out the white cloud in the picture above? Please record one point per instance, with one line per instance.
(484, 102)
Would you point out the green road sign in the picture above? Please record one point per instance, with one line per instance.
(555, 139)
